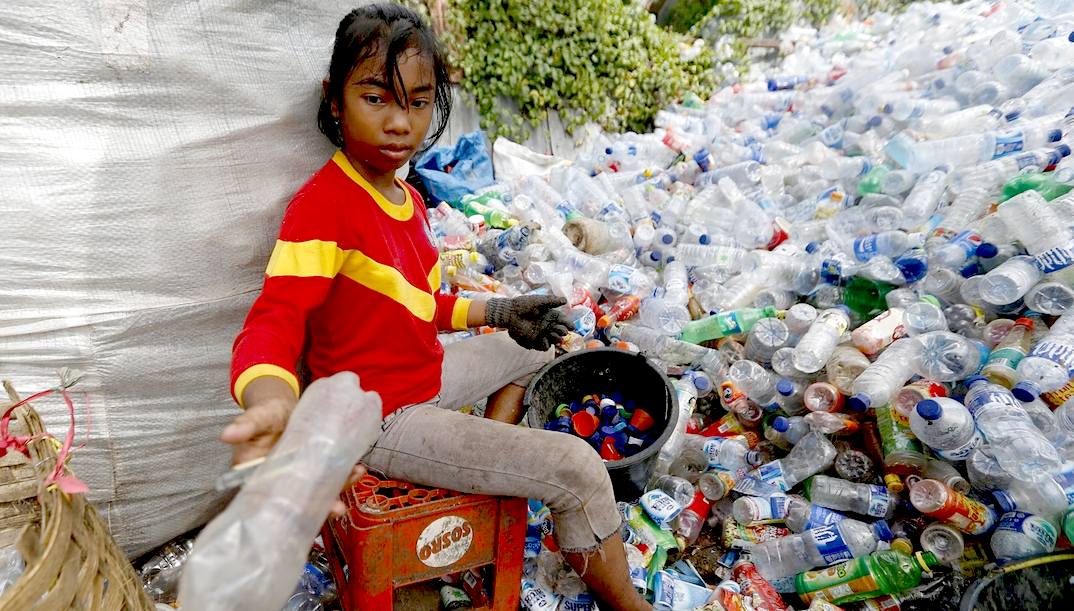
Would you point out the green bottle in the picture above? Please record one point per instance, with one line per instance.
(903, 453)
(879, 573)
(870, 183)
(724, 324)
(866, 297)
(479, 205)
(1042, 183)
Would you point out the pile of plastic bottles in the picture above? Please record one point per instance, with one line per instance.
(852, 266)
(616, 429)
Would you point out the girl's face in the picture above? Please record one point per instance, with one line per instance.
(381, 133)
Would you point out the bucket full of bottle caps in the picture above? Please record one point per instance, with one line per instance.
(627, 377)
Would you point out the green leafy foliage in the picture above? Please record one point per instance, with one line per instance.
(604, 61)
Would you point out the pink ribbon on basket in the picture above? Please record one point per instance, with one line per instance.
(66, 482)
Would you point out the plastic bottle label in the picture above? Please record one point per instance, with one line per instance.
(619, 278)
(835, 583)
(963, 451)
(660, 507)
(536, 598)
(865, 248)
(1008, 142)
(830, 544)
(1056, 398)
(895, 433)
(581, 602)
(879, 501)
(966, 514)
(822, 516)
(1033, 526)
(1061, 354)
(982, 399)
(772, 473)
(1054, 260)
(968, 241)
(1006, 357)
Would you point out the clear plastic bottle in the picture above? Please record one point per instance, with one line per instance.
(1010, 281)
(830, 423)
(1021, 535)
(811, 455)
(817, 345)
(887, 244)
(878, 384)
(946, 426)
(877, 334)
(692, 518)
(923, 200)
(1044, 497)
(946, 357)
(1047, 367)
(792, 429)
(924, 316)
(971, 149)
(801, 515)
(864, 499)
(1014, 440)
(754, 509)
(1002, 364)
(821, 546)
(766, 336)
(943, 541)
(757, 382)
(822, 397)
(846, 364)
(680, 490)
(726, 453)
(985, 472)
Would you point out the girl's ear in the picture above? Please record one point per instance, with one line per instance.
(333, 105)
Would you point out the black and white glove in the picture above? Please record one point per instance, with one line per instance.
(533, 321)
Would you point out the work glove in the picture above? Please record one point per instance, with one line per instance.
(533, 321)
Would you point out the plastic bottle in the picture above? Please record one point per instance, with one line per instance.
(976, 148)
(864, 499)
(280, 509)
(941, 502)
(1014, 440)
(693, 518)
(878, 384)
(754, 510)
(817, 345)
(943, 541)
(946, 426)
(724, 324)
(877, 334)
(754, 380)
(1044, 497)
(846, 364)
(822, 397)
(766, 336)
(811, 455)
(791, 429)
(923, 316)
(1010, 281)
(680, 490)
(887, 244)
(883, 572)
(1002, 364)
(946, 356)
(1020, 535)
(1047, 367)
(923, 200)
(821, 546)
(831, 424)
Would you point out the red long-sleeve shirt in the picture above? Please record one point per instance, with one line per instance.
(353, 284)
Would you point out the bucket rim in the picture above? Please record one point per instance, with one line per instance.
(669, 391)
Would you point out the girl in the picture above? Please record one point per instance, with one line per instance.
(353, 285)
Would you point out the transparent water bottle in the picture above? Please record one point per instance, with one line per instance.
(943, 541)
(1047, 367)
(811, 455)
(946, 357)
(679, 489)
(985, 472)
(1015, 441)
(821, 546)
(801, 515)
(878, 384)
(924, 316)
(865, 499)
(1021, 535)
(766, 336)
(818, 343)
(1010, 281)
(946, 426)
(846, 364)
(822, 397)
(792, 429)
(757, 382)
(1044, 497)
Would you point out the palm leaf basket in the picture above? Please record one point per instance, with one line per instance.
(72, 561)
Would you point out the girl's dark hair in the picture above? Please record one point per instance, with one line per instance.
(388, 29)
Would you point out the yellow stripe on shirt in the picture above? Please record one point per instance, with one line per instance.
(312, 258)
(460, 313)
(261, 370)
(389, 282)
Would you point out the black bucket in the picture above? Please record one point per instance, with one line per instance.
(604, 371)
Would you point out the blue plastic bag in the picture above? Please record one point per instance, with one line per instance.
(451, 172)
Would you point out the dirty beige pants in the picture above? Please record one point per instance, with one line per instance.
(432, 445)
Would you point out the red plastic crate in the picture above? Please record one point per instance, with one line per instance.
(396, 534)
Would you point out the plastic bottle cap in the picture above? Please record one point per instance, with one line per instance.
(902, 545)
(1012, 115)
(970, 381)
(888, 109)
(785, 387)
(970, 270)
(704, 239)
(1025, 322)
(772, 85)
(1025, 391)
(882, 530)
(655, 255)
(1063, 149)
(667, 238)
(781, 424)
(1004, 500)
(987, 250)
(1054, 135)
(1071, 37)
(929, 409)
(874, 121)
(811, 247)
(859, 402)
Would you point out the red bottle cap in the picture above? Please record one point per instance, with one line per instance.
(641, 420)
(584, 424)
(608, 451)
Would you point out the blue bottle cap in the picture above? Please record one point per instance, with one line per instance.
(987, 250)
(1071, 37)
(1026, 391)
(812, 247)
(970, 270)
(874, 121)
(883, 531)
(1063, 149)
(970, 381)
(655, 255)
(781, 424)
(1004, 500)
(704, 239)
(929, 409)
(701, 383)
(785, 387)
(772, 84)
(667, 238)
(669, 259)
(1012, 115)
(912, 269)
(1054, 135)
(859, 402)
(948, 50)
(887, 109)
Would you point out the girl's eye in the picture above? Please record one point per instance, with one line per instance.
(374, 99)
(419, 103)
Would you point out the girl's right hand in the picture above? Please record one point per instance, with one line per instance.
(256, 430)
